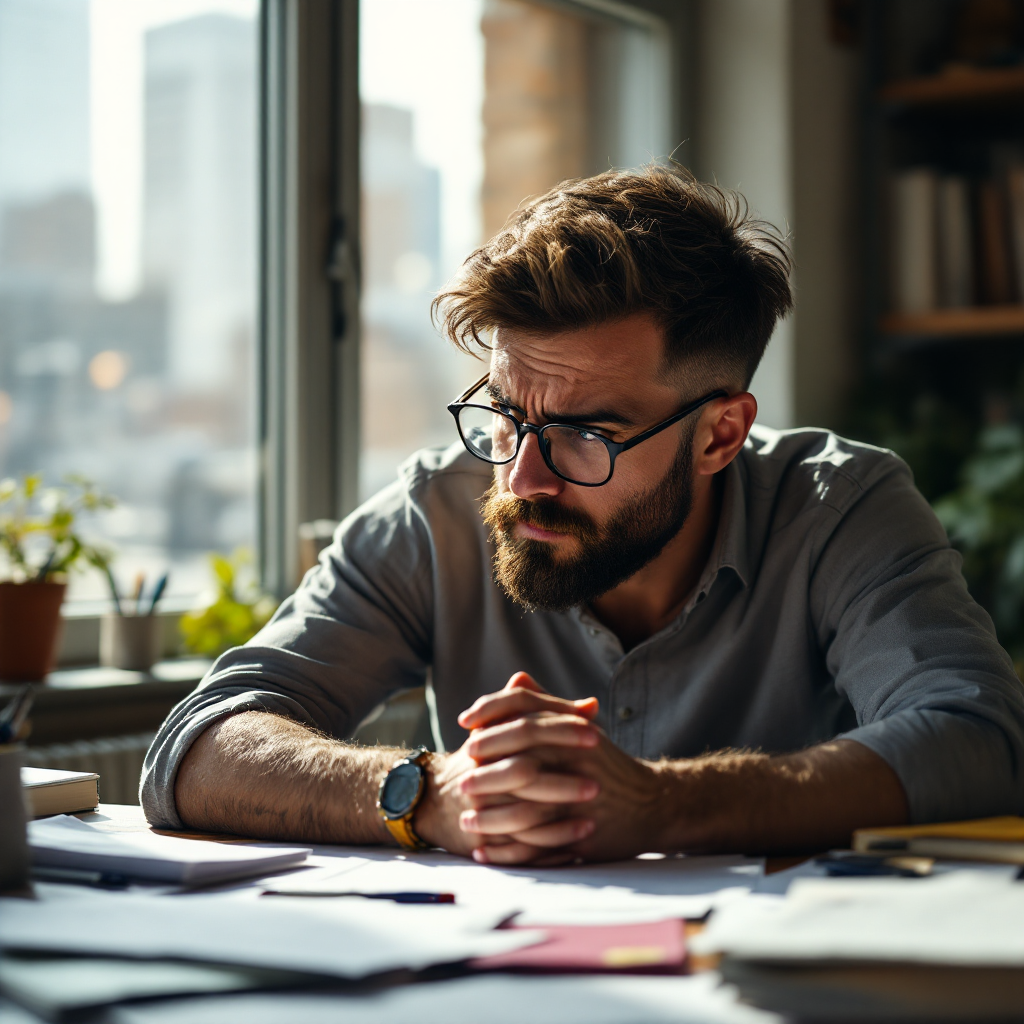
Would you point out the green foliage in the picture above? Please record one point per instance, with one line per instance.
(237, 614)
(984, 518)
(37, 527)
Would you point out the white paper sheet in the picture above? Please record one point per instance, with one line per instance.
(647, 889)
(346, 938)
(494, 999)
(65, 842)
(966, 917)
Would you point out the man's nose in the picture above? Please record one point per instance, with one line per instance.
(530, 476)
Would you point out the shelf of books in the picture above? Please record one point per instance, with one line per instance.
(957, 84)
(977, 321)
(956, 247)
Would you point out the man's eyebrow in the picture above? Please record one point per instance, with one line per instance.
(583, 419)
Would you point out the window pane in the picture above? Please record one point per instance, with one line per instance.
(128, 267)
(470, 106)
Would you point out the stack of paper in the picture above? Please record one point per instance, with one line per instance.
(66, 842)
(949, 947)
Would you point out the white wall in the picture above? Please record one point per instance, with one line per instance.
(774, 118)
(742, 122)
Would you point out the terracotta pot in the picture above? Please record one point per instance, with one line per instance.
(29, 629)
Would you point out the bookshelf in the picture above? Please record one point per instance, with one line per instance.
(942, 244)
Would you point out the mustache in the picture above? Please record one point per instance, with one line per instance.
(501, 512)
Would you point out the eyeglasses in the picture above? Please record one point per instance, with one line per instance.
(576, 454)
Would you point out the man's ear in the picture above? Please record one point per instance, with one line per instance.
(722, 431)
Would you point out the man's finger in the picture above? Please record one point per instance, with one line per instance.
(522, 777)
(522, 734)
(556, 833)
(508, 819)
(514, 703)
(509, 853)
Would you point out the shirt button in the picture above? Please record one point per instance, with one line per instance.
(592, 631)
(625, 714)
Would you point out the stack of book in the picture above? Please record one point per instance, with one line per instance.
(958, 240)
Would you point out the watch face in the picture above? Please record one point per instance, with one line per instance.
(400, 789)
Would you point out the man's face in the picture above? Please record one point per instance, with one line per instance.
(560, 544)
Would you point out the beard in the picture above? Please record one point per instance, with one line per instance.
(531, 574)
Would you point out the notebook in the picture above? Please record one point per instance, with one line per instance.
(51, 791)
(66, 842)
(989, 839)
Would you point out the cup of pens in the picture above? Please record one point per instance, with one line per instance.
(131, 636)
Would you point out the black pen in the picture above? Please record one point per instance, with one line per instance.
(103, 879)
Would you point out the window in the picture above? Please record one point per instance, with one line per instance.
(468, 107)
(128, 240)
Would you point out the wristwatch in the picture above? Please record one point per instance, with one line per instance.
(400, 794)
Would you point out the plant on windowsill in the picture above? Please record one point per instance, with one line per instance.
(237, 613)
(39, 547)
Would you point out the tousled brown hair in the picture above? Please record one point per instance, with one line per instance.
(656, 241)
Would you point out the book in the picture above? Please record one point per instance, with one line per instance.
(51, 791)
(956, 267)
(914, 270)
(986, 839)
(995, 277)
(68, 843)
(1015, 195)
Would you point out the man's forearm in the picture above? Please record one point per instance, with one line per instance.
(754, 803)
(258, 774)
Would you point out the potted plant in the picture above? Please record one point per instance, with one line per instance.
(238, 611)
(38, 548)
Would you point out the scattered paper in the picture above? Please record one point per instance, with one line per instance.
(650, 889)
(343, 938)
(968, 917)
(494, 998)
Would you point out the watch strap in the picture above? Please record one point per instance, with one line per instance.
(402, 831)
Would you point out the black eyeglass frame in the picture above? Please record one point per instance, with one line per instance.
(615, 448)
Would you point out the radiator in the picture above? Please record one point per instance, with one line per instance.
(117, 760)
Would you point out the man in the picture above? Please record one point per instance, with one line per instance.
(718, 638)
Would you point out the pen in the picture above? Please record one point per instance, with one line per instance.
(13, 716)
(395, 897)
(158, 592)
(140, 583)
(105, 879)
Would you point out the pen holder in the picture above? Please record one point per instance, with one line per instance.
(14, 859)
(130, 641)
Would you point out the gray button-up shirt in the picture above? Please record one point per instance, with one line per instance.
(831, 605)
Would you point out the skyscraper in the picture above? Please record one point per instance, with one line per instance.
(198, 238)
(44, 98)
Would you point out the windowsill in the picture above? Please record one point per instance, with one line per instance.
(80, 639)
(86, 703)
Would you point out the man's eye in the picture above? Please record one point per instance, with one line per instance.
(588, 435)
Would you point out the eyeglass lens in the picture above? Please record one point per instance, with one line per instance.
(577, 454)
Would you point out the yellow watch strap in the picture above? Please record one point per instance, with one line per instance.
(401, 830)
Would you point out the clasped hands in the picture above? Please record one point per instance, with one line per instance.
(537, 781)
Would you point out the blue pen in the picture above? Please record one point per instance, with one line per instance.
(158, 592)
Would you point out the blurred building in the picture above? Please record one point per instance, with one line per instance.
(199, 215)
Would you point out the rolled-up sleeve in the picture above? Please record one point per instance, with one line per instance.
(934, 694)
(357, 630)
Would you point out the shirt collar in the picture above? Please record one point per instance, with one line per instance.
(729, 550)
